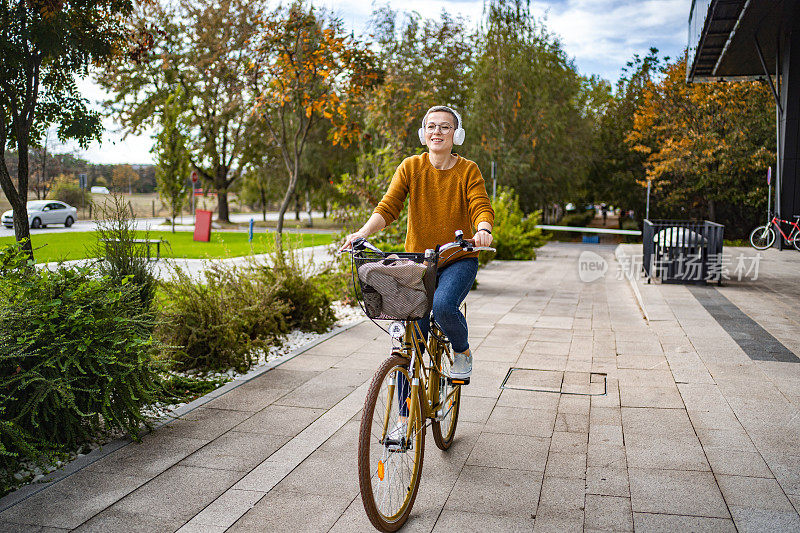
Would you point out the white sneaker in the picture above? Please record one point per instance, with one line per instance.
(398, 431)
(462, 365)
(395, 437)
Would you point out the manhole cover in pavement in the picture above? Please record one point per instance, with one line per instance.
(532, 379)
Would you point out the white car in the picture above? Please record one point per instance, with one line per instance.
(42, 213)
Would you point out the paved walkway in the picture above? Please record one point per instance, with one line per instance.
(693, 434)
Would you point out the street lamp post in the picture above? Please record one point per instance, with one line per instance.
(647, 207)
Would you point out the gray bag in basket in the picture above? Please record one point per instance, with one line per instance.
(399, 285)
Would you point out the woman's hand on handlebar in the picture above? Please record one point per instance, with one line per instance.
(482, 238)
(348, 241)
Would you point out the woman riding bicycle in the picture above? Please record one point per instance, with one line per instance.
(446, 193)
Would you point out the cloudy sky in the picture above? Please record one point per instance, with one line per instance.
(601, 35)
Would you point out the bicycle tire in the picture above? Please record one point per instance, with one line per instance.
(796, 241)
(762, 237)
(370, 448)
(442, 389)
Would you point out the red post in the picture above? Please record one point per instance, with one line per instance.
(202, 225)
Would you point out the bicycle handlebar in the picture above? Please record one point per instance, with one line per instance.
(467, 245)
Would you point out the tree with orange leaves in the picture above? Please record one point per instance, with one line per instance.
(307, 69)
(707, 146)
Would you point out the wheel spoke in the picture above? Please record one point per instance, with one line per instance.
(388, 500)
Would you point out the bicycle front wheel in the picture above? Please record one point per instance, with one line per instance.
(762, 237)
(796, 241)
(391, 446)
(448, 397)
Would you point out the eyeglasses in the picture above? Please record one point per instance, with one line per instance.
(444, 127)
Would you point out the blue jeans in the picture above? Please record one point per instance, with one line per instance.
(454, 283)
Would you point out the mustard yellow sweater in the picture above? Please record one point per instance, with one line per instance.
(440, 201)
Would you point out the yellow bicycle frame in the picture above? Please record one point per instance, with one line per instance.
(419, 375)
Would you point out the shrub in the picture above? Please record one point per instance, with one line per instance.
(630, 224)
(66, 191)
(221, 322)
(579, 220)
(309, 303)
(121, 257)
(75, 358)
(515, 237)
(217, 324)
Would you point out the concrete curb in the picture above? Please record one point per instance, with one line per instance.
(82, 462)
(621, 256)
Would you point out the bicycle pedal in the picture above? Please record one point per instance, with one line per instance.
(459, 381)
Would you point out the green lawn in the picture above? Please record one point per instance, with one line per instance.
(77, 245)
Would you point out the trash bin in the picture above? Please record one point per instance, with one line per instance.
(681, 251)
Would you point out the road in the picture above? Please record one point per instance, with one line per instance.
(183, 223)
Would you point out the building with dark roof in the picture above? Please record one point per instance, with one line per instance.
(732, 40)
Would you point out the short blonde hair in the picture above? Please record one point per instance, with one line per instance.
(441, 108)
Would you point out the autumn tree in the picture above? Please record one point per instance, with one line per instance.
(172, 158)
(44, 45)
(307, 69)
(205, 48)
(707, 146)
(123, 177)
(524, 107)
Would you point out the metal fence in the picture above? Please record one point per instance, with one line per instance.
(679, 251)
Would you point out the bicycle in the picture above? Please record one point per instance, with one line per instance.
(763, 237)
(410, 390)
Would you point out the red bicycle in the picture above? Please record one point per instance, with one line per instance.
(763, 237)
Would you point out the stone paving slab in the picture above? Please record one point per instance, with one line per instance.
(692, 434)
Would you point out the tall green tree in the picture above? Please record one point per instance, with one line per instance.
(206, 48)
(44, 45)
(524, 107)
(172, 157)
(617, 173)
(424, 62)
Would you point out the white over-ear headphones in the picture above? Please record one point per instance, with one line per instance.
(458, 136)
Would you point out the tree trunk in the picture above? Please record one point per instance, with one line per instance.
(222, 203)
(19, 201)
(712, 211)
(308, 210)
(22, 228)
(263, 194)
(284, 206)
(296, 206)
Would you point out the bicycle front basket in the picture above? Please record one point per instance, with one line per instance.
(398, 286)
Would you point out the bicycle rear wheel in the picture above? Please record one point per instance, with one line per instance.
(449, 399)
(390, 462)
(762, 237)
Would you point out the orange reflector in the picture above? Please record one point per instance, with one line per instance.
(380, 470)
(408, 402)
